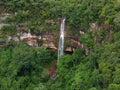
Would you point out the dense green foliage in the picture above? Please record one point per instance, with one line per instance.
(78, 13)
(8, 30)
(23, 67)
(97, 71)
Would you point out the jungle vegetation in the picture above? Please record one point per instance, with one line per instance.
(23, 67)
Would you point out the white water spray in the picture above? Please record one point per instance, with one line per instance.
(61, 40)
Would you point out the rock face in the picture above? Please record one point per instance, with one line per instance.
(48, 40)
(97, 28)
(29, 39)
(72, 44)
(45, 38)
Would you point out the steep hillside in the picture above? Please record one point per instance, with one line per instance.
(29, 35)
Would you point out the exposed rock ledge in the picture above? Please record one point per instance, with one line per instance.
(47, 40)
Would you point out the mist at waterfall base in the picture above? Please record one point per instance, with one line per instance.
(61, 40)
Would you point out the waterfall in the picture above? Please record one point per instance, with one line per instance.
(61, 40)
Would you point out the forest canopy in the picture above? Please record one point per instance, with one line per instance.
(23, 67)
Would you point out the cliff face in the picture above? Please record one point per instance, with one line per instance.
(44, 38)
(102, 32)
(50, 41)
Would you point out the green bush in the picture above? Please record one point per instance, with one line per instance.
(8, 30)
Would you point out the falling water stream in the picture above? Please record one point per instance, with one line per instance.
(61, 40)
